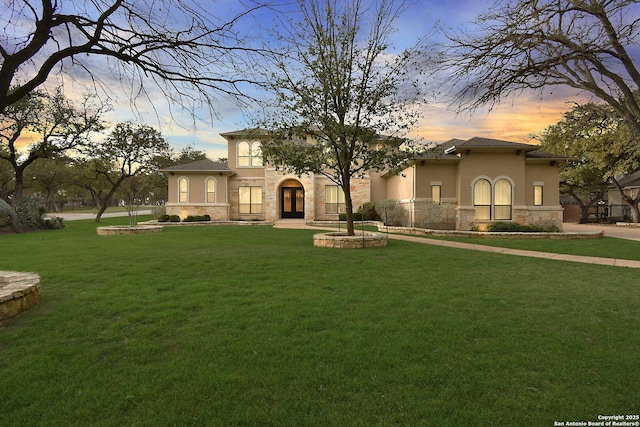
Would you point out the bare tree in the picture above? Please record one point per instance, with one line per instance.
(521, 44)
(343, 85)
(178, 44)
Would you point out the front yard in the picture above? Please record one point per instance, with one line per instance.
(255, 326)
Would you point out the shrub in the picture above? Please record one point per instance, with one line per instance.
(392, 213)
(197, 218)
(30, 213)
(357, 216)
(55, 223)
(169, 218)
(369, 212)
(519, 228)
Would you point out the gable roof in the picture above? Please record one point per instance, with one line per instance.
(450, 149)
(205, 165)
(632, 180)
(246, 132)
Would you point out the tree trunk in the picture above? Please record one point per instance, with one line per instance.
(348, 204)
(17, 193)
(635, 213)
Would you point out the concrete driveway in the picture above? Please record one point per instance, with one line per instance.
(610, 230)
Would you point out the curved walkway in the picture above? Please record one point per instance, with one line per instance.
(610, 231)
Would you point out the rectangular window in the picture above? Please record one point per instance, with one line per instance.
(436, 190)
(537, 194)
(334, 199)
(250, 200)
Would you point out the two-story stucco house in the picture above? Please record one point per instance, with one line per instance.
(462, 185)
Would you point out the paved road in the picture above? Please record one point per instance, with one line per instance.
(72, 216)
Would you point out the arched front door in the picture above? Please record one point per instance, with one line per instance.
(292, 199)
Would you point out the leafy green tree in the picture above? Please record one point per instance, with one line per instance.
(41, 126)
(52, 178)
(128, 151)
(602, 149)
(342, 84)
(517, 45)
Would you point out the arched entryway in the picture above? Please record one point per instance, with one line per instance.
(291, 199)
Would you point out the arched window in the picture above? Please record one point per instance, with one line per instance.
(482, 199)
(183, 190)
(493, 202)
(502, 199)
(211, 190)
(249, 154)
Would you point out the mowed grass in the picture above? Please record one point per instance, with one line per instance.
(254, 326)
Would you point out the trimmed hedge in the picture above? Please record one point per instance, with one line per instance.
(197, 218)
(169, 218)
(519, 228)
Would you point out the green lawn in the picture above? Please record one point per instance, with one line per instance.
(254, 326)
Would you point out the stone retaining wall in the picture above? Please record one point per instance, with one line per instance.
(343, 241)
(18, 293)
(114, 230)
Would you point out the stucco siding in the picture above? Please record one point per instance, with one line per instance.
(400, 186)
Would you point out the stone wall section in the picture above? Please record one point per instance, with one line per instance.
(217, 212)
(18, 293)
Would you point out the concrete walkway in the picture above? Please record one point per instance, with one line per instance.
(629, 233)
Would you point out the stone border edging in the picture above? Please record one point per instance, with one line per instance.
(340, 240)
(18, 293)
(115, 230)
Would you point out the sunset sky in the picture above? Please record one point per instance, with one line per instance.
(514, 119)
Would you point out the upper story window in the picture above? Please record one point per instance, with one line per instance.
(211, 190)
(249, 154)
(183, 190)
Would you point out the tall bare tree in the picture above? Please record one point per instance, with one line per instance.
(342, 83)
(180, 45)
(588, 45)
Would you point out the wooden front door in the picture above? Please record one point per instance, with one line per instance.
(292, 201)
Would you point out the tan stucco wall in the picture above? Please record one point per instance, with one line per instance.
(492, 166)
(197, 191)
(436, 172)
(400, 187)
(548, 175)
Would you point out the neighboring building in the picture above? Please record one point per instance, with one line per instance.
(615, 208)
(460, 185)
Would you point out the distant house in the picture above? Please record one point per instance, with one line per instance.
(459, 185)
(617, 210)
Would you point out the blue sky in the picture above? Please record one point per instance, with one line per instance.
(514, 119)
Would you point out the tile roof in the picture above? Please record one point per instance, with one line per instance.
(205, 165)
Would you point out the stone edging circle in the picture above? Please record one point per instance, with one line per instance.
(340, 240)
(113, 230)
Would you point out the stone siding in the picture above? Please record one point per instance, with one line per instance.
(217, 212)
